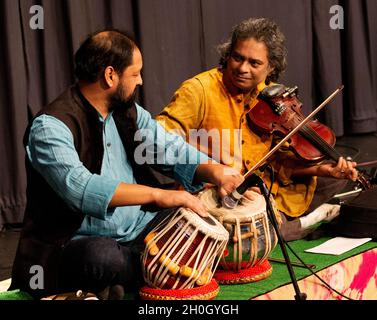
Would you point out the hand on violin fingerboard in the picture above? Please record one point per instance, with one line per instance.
(342, 170)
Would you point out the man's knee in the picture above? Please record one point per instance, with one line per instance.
(291, 229)
(93, 253)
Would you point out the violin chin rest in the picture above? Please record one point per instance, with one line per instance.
(272, 91)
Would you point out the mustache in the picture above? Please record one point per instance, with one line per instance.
(242, 76)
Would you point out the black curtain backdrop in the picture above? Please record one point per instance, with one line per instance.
(178, 39)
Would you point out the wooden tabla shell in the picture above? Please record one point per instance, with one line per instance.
(250, 223)
(183, 251)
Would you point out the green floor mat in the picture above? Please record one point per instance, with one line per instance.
(15, 295)
(280, 275)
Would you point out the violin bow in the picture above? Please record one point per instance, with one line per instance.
(366, 164)
(285, 139)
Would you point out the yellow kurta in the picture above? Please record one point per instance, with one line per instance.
(203, 107)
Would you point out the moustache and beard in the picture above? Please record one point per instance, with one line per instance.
(118, 100)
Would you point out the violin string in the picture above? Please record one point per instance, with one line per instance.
(313, 138)
(330, 151)
(322, 143)
(312, 134)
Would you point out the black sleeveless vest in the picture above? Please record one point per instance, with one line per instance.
(49, 223)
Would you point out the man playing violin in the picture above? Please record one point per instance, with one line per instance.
(219, 99)
(86, 218)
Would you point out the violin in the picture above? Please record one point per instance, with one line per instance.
(278, 112)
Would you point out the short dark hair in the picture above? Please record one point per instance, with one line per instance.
(110, 47)
(263, 30)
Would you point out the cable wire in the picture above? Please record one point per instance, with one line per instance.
(272, 178)
(315, 274)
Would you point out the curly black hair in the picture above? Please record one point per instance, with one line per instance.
(263, 30)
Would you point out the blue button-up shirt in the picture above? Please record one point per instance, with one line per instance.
(52, 153)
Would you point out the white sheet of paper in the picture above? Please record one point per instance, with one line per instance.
(338, 245)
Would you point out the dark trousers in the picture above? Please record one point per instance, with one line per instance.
(95, 264)
(325, 190)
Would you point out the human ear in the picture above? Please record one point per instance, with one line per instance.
(110, 76)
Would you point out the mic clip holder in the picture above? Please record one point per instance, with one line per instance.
(231, 200)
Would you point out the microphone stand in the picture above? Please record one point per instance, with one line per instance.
(231, 200)
(271, 215)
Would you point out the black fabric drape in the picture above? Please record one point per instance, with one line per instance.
(13, 115)
(178, 39)
(358, 63)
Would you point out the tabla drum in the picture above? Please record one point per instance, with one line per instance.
(183, 251)
(252, 236)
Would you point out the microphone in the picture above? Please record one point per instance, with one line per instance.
(231, 200)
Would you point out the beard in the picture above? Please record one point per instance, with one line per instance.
(118, 100)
